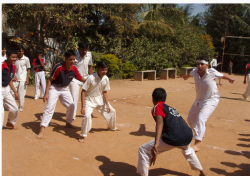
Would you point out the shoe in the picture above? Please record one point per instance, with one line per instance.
(36, 98)
(21, 109)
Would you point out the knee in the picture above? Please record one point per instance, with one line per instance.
(71, 106)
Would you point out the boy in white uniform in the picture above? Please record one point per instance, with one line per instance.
(247, 75)
(8, 69)
(3, 58)
(38, 65)
(207, 97)
(94, 95)
(214, 64)
(57, 87)
(83, 63)
(22, 75)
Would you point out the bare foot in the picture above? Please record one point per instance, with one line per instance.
(196, 148)
(69, 125)
(40, 135)
(202, 173)
(93, 116)
(81, 139)
(10, 125)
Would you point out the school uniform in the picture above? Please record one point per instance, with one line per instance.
(39, 77)
(247, 92)
(59, 89)
(207, 98)
(94, 87)
(175, 134)
(8, 100)
(213, 63)
(22, 64)
(82, 66)
(3, 58)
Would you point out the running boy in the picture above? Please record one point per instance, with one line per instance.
(8, 69)
(247, 75)
(94, 95)
(83, 63)
(171, 132)
(57, 87)
(22, 75)
(38, 65)
(207, 97)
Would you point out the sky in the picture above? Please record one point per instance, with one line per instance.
(197, 8)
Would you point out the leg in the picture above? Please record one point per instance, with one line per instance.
(22, 92)
(246, 94)
(74, 89)
(145, 155)
(86, 122)
(11, 106)
(43, 83)
(110, 117)
(37, 86)
(191, 157)
(49, 110)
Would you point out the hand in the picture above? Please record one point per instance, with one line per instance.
(83, 111)
(186, 77)
(220, 62)
(231, 80)
(45, 98)
(27, 82)
(108, 108)
(154, 153)
(14, 79)
(17, 97)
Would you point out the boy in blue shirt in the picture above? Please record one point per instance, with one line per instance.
(171, 131)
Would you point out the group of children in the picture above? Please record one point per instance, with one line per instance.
(171, 129)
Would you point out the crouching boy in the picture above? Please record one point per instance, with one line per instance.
(57, 87)
(94, 95)
(171, 132)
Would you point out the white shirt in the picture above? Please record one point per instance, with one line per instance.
(206, 86)
(3, 58)
(213, 63)
(82, 65)
(21, 68)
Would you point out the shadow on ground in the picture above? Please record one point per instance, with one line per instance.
(123, 169)
(142, 132)
(239, 99)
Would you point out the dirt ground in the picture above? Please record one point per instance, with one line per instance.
(224, 150)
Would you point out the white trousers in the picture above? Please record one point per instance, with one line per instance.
(74, 89)
(247, 92)
(39, 77)
(21, 90)
(102, 109)
(145, 156)
(10, 104)
(198, 115)
(65, 98)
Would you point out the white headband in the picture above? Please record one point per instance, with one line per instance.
(202, 62)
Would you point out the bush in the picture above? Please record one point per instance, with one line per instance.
(114, 65)
(128, 70)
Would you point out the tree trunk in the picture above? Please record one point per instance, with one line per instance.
(38, 29)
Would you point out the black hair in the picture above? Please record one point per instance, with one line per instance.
(69, 53)
(101, 64)
(20, 47)
(9, 52)
(3, 46)
(203, 58)
(83, 44)
(39, 51)
(215, 55)
(159, 94)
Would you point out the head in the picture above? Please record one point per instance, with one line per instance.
(39, 53)
(83, 47)
(215, 56)
(159, 94)
(11, 56)
(202, 64)
(20, 51)
(102, 68)
(70, 57)
(3, 50)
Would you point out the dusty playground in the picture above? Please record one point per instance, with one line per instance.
(224, 150)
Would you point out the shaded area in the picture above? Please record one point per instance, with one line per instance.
(237, 93)
(142, 132)
(113, 168)
(30, 97)
(247, 120)
(239, 99)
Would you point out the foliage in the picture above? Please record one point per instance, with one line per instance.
(114, 65)
(128, 70)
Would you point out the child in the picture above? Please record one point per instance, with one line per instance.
(171, 132)
(38, 65)
(207, 97)
(57, 87)
(22, 75)
(84, 65)
(3, 53)
(94, 95)
(247, 74)
(8, 69)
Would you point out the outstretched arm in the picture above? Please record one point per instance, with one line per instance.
(231, 80)
(185, 77)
